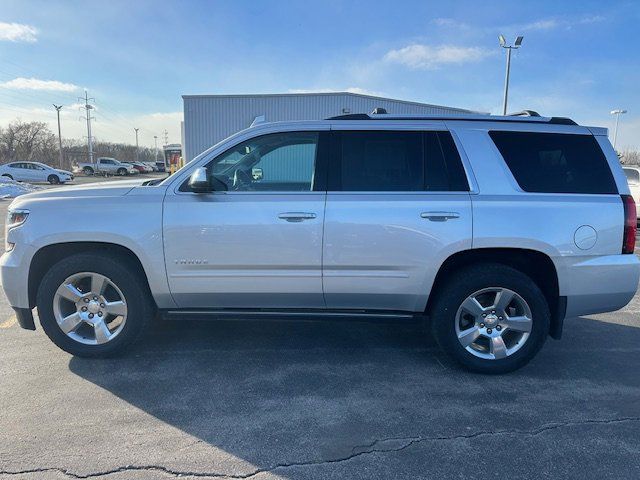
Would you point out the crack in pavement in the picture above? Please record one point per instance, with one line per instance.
(385, 445)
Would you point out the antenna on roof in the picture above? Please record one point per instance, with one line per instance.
(379, 111)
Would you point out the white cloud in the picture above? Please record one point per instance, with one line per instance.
(547, 24)
(17, 32)
(22, 83)
(427, 57)
(450, 23)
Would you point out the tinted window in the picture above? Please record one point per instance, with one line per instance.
(555, 162)
(380, 161)
(633, 176)
(397, 161)
(277, 162)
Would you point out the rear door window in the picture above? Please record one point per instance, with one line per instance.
(555, 162)
(396, 161)
(377, 161)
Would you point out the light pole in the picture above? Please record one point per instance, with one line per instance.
(137, 154)
(58, 108)
(617, 113)
(155, 139)
(516, 45)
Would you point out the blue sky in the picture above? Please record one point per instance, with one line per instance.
(579, 59)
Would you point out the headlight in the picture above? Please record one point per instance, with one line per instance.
(15, 218)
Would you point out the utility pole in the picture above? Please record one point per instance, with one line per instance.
(617, 113)
(88, 118)
(137, 151)
(516, 45)
(58, 108)
(155, 138)
(166, 137)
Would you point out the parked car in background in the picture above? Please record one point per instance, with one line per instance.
(633, 178)
(152, 166)
(34, 172)
(495, 228)
(138, 168)
(141, 167)
(105, 165)
(161, 166)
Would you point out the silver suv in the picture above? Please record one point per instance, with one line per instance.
(495, 229)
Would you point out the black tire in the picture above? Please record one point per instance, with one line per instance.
(88, 171)
(140, 307)
(8, 176)
(122, 172)
(473, 279)
(53, 179)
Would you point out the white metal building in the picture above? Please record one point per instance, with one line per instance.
(211, 118)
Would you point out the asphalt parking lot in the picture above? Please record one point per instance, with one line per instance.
(277, 399)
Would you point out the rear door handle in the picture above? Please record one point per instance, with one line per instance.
(439, 216)
(296, 216)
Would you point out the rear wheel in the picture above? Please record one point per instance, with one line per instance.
(8, 176)
(87, 170)
(122, 172)
(92, 305)
(53, 179)
(491, 318)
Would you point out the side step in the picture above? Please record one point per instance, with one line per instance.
(287, 314)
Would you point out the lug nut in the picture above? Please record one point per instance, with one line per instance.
(493, 311)
(498, 328)
(91, 315)
(99, 314)
(95, 298)
(86, 300)
(484, 314)
(489, 330)
(84, 309)
(102, 306)
(499, 318)
(482, 325)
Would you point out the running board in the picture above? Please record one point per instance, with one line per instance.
(244, 314)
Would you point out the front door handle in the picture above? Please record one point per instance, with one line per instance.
(296, 216)
(439, 216)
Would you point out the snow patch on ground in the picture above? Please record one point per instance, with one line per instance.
(10, 188)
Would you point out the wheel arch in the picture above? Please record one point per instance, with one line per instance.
(537, 265)
(48, 255)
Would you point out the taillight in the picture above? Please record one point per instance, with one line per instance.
(630, 224)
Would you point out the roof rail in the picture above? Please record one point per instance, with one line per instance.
(528, 117)
(525, 113)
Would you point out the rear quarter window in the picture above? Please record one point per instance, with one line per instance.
(555, 162)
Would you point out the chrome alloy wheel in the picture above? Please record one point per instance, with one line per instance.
(90, 308)
(493, 323)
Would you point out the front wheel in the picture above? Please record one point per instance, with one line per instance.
(53, 179)
(87, 171)
(122, 172)
(8, 176)
(93, 305)
(490, 318)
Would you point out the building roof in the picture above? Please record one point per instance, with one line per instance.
(334, 94)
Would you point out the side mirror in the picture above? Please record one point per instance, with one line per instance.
(199, 181)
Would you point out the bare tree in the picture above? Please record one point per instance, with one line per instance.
(630, 157)
(35, 141)
(27, 141)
